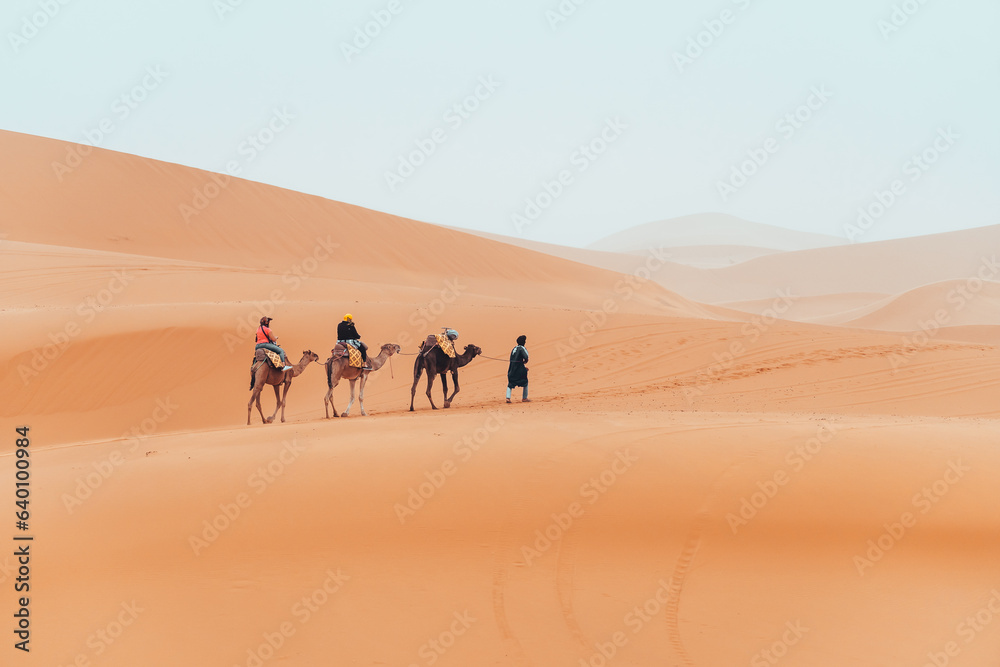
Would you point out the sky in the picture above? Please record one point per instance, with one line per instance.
(555, 120)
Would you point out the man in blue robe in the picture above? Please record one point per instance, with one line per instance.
(517, 372)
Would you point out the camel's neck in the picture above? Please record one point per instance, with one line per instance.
(299, 367)
(379, 361)
(464, 359)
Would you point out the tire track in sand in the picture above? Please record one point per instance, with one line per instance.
(683, 565)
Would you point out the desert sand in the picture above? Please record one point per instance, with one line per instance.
(782, 461)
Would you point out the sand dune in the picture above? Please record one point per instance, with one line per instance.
(716, 256)
(819, 286)
(157, 212)
(889, 267)
(692, 484)
(712, 229)
(826, 308)
(696, 256)
(953, 303)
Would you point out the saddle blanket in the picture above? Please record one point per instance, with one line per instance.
(439, 340)
(353, 355)
(272, 357)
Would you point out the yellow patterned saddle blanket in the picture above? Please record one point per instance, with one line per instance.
(354, 359)
(272, 357)
(439, 340)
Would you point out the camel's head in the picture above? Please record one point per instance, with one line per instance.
(391, 348)
(473, 350)
(311, 355)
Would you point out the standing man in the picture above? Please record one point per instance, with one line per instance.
(517, 372)
(348, 334)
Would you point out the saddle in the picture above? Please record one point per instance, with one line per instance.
(263, 356)
(352, 353)
(440, 340)
(272, 358)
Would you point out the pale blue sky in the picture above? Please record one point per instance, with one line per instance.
(680, 131)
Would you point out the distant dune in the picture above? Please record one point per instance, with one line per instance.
(953, 303)
(826, 308)
(888, 267)
(712, 230)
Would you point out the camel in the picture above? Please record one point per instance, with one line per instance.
(266, 374)
(338, 369)
(436, 362)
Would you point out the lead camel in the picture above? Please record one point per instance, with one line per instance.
(436, 362)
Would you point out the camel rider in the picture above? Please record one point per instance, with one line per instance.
(348, 334)
(268, 341)
(517, 372)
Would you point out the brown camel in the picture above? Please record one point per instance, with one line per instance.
(266, 374)
(338, 369)
(436, 362)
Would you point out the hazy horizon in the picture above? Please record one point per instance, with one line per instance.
(561, 122)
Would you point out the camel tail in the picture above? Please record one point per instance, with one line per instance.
(329, 373)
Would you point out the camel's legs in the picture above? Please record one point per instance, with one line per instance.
(430, 385)
(284, 395)
(263, 419)
(328, 399)
(277, 403)
(418, 368)
(351, 402)
(454, 378)
(334, 381)
(444, 389)
(254, 395)
(361, 394)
